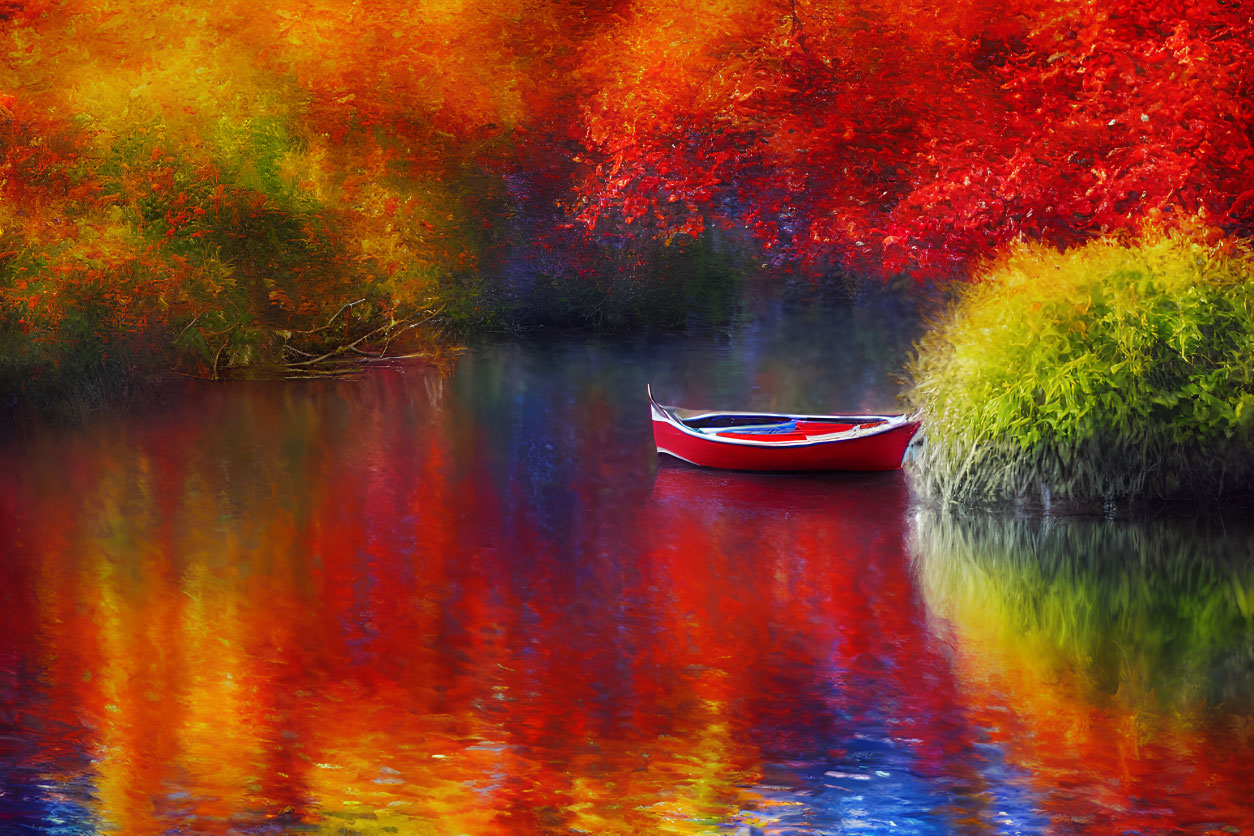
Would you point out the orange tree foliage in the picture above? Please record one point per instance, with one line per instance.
(188, 181)
(194, 181)
(892, 133)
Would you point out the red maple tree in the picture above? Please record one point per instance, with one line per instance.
(888, 134)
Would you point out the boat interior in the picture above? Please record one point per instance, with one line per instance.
(782, 428)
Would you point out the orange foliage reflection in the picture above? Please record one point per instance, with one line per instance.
(305, 607)
(365, 606)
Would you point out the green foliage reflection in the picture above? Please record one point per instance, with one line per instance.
(1160, 613)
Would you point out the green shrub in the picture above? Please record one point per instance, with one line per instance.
(73, 346)
(1104, 374)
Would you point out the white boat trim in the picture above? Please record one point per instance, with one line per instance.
(669, 415)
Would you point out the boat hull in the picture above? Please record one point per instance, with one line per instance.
(879, 444)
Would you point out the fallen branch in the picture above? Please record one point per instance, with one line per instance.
(370, 348)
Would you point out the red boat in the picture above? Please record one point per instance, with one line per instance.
(770, 441)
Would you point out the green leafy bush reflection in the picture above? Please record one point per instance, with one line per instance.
(1157, 614)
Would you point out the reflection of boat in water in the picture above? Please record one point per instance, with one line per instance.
(877, 499)
(775, 441)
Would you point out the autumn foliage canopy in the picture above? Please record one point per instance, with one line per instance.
(896, 135)
(209, 181)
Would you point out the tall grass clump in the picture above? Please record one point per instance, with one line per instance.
(1111, 373)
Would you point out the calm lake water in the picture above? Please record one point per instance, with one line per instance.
(478, 604)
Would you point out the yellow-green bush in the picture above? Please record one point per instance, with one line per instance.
(1107, 373)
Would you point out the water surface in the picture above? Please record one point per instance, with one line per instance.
(477, 603)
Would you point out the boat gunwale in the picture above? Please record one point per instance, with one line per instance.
(670, 415)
